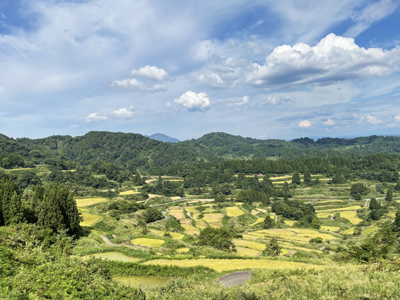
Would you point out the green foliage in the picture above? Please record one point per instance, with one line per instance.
(389, 195)
(218, 238)
(357, 190)
(250, 196)
(296, 178)
(268, 222)
(273, 248)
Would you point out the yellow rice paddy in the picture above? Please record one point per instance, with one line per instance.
(349, 231)
(175, 235)
(350, 208)
(147, 242)
(259, 220)
(370, 230)
(128, 193)
(177, 214)
(211, 218)
(290, 223)
(330, 228)
(351, 216)
(201, 224)
(89, 219)
(113, 256)
(234, 211)
(183, 250)
(247, 252)
(254, 212)
(191, 209)
(221, 265)
(249, 244)
(89, 201)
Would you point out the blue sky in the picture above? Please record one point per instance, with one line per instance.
(262, 69)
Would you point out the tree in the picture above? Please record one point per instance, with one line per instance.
(307, 176)
(379, 188)
(218, 238)
(273, 248)
(389, 195)
(374, 204)
(268, 222)
(315, 224)
(7, 191)
(15, 210)
(296, 178)
(396, 223)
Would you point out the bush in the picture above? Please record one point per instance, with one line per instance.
(218, 238)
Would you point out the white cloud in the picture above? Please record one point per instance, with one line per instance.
(73, 126)
(123, 113)
(373, 120)
(193, 101)
(276, 100)
(151, 72)
(134, 84)
(95, 118)
(329, 122)
(370, 14)
(397, 118)
(332, 60)
(235, 101)
(305, 124)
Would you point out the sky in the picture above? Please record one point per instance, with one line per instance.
(262, 69)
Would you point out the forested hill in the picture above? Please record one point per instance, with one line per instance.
(135, 151)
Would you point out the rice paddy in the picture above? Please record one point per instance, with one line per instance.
(201, 224)
(191, 209)
(249, 244)
(350, 208)
(290, 223)
(351, 216)
(349, 231)
(89, 219)
(128, 193)
(177, 214)
(212, 218)
(89, 201)
(113, 256)
(254, 212)
(146, 242)
(221, 265)
(234, 211)
(259, 220)
(330, 228)
(370, 230)
(247, 252)
(175, 235)
(183, 250)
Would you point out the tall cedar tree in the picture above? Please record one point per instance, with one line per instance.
(389, 195)
(307, 176)
(296, 178)
(7, 190)
(268, 222)
(396, 223)
(15, 210)
(374, 204)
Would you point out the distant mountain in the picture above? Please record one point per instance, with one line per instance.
(163, 138)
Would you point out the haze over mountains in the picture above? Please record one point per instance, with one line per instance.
(163, 138)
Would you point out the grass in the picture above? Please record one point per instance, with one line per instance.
(330, 228)
(370, 230)
(113, 256)
(249, 244)
(89, 219)
(221, 265)
(247, 252)
(147, 242)
(259, 220)
(89, 201)
(234, 211)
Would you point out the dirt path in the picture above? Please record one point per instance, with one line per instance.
(188, 213)
(234, 279)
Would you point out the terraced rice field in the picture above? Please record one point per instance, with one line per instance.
(189, 229)
(274, 232)
(349, 208)
(281, 177)
(330, 228)
(89, 219)
(183, 250)
(370, 230)
(254, 212)
(221, 265)
(234, 211)
(290, 223)
(191, 209)
(215, 224)
(208, 210)
(349, 231)
(113, 256)
(247, 252)
(351, 216)
(201, 224)
(177, 214)
(175, 235)
(326, 201)
(147, 242)
(310, 233)
(249, 244)
(212, 218)
(239, 203)
(262, 210)
(89, 201)
(128, 193)
(259, 220)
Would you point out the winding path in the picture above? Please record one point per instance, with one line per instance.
(234, 279)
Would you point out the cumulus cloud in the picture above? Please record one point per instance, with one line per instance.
(194, 102)
(305, 124)
(134, 84)
(95, 118)
(333, 59)
(124, 113)
(329, 122)
(277, 100)
(373, 120)
(151, 72)
(235, 101)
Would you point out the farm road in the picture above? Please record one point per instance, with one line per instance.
(233, 279)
